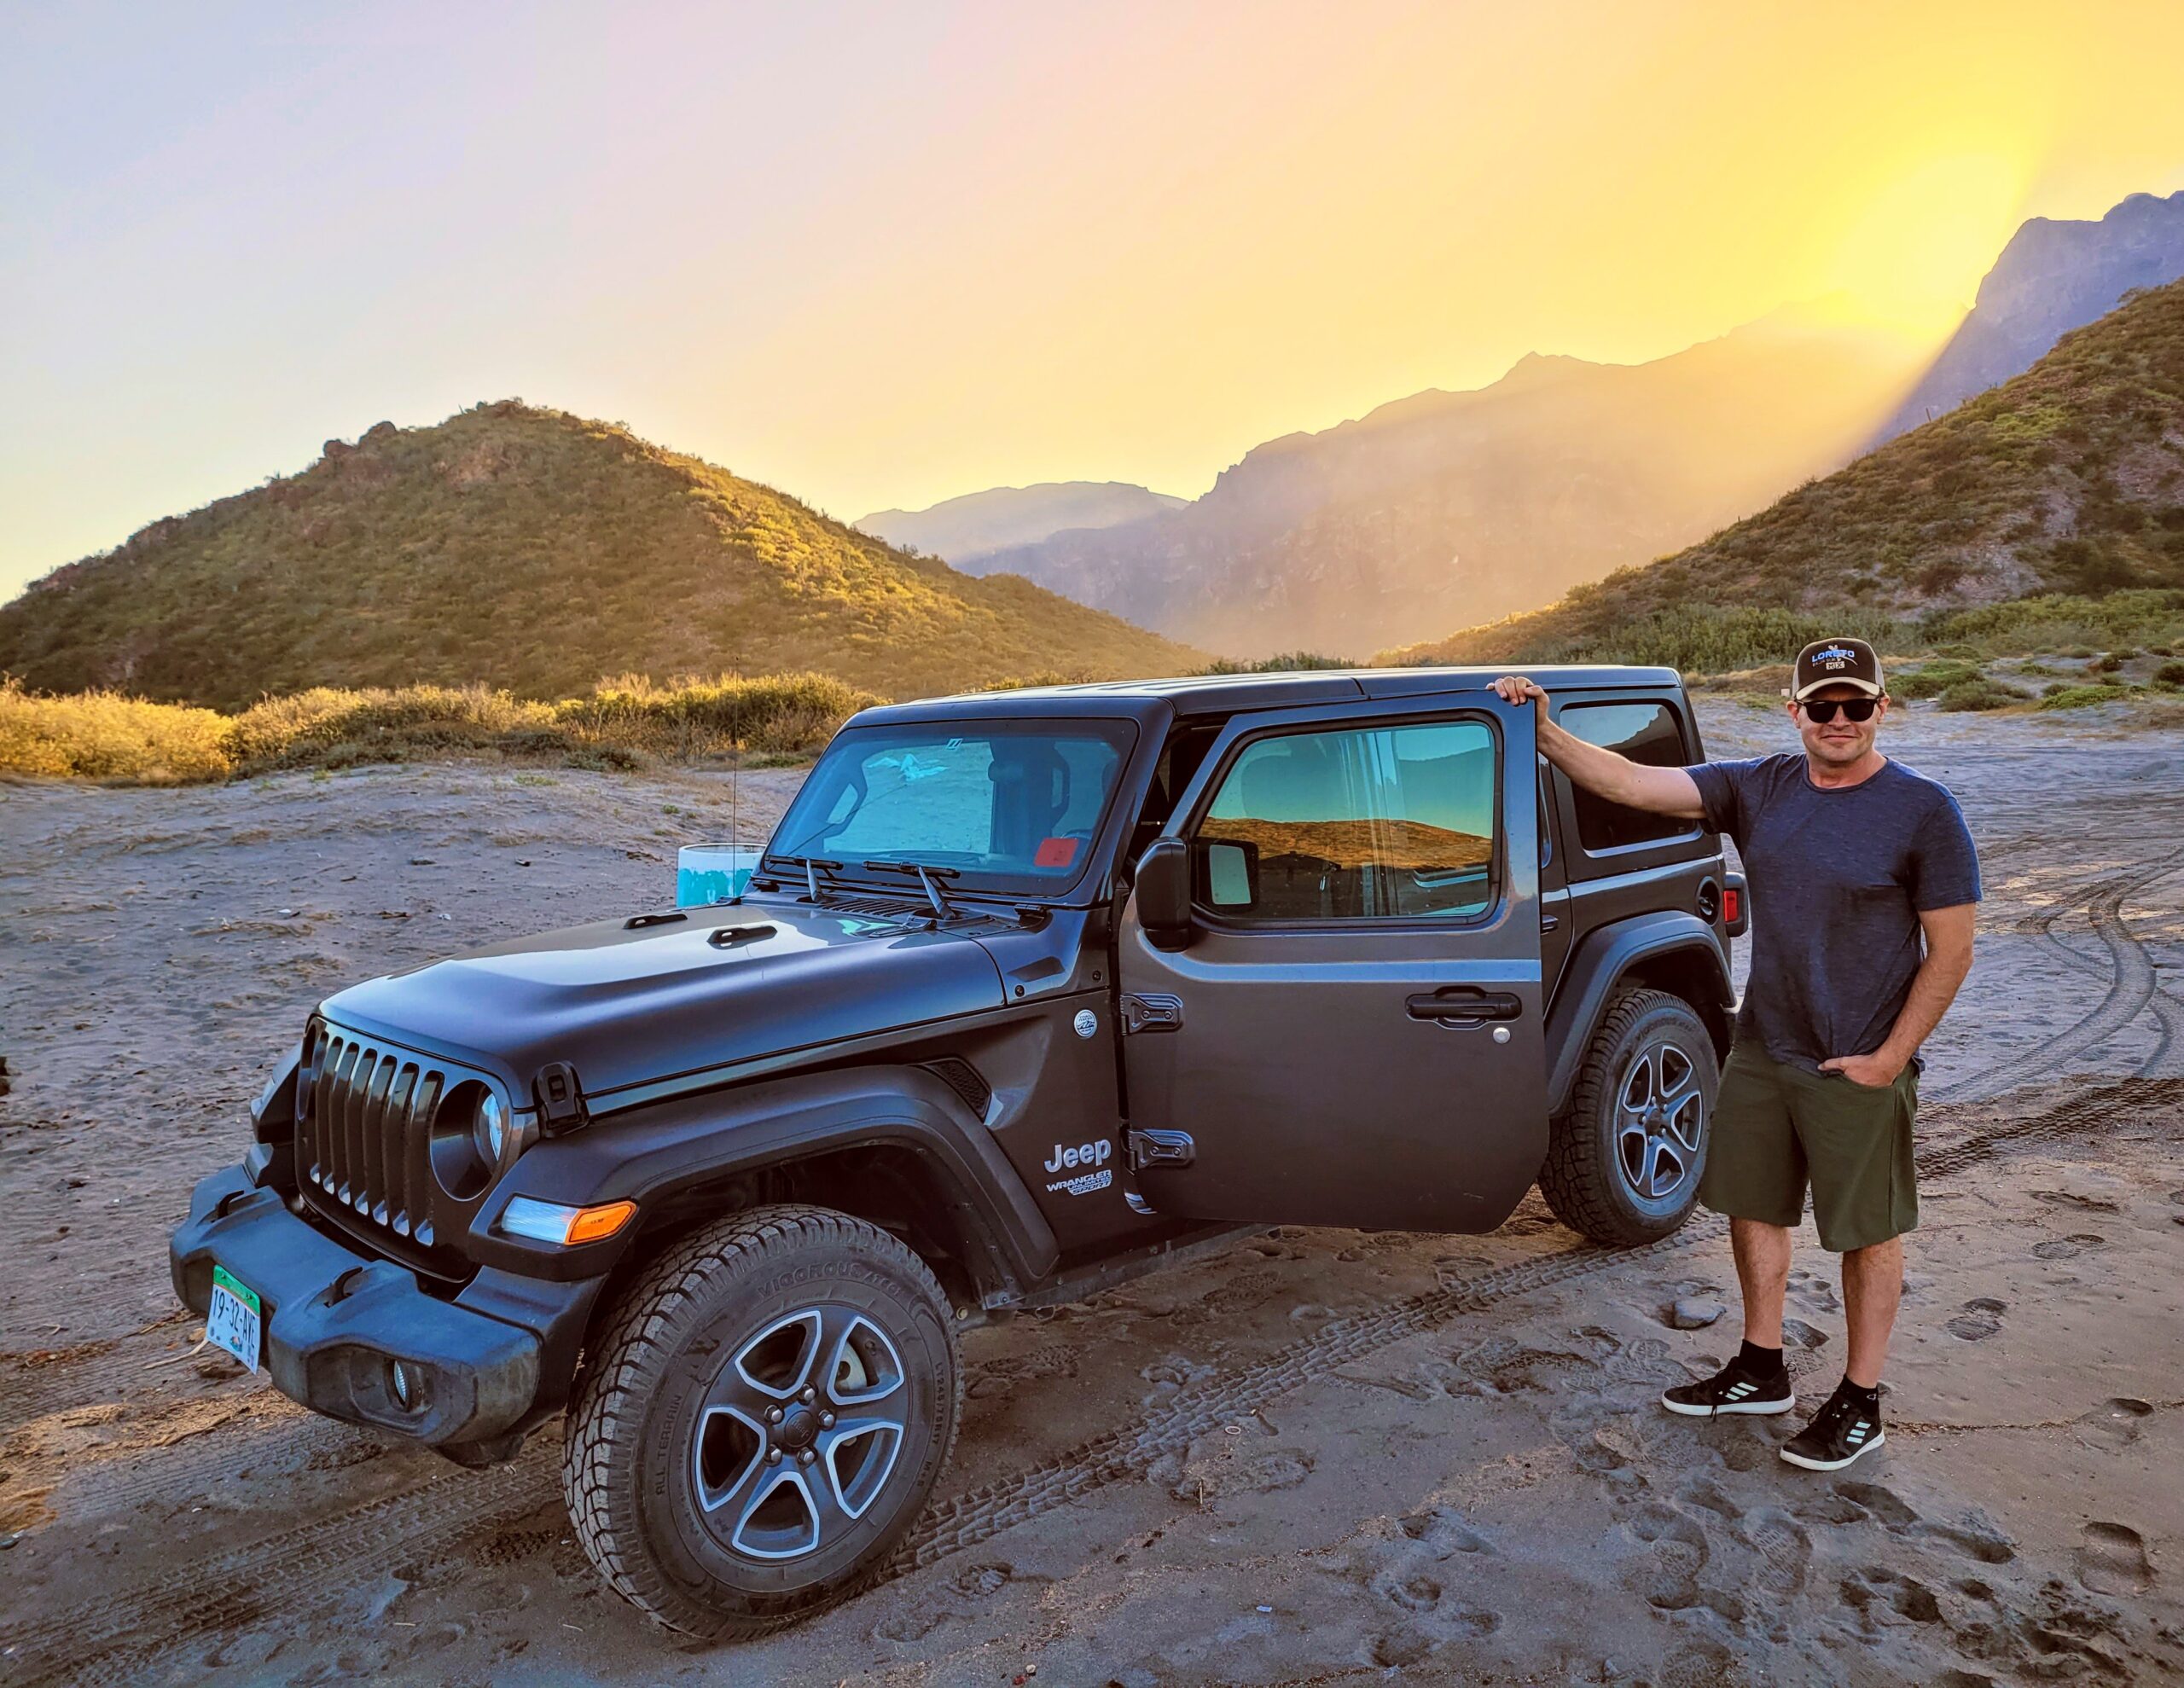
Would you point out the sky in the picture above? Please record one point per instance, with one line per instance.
(880, 255)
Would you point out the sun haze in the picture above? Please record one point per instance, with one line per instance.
(882, 256)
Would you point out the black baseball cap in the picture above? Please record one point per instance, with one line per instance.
(1836, 662)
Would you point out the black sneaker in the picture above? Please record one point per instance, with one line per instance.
(1734, 1389)
(1843, 1430)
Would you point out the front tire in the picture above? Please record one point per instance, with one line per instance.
(762, 1420)
(1624, 1159)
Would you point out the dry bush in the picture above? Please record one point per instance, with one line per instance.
(103, 736)
(694, 719)
(100, 735)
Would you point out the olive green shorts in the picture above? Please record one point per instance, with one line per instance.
(1778, 1128)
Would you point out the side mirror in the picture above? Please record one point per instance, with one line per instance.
(1163, 893)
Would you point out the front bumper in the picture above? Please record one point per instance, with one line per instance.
(336, 1320)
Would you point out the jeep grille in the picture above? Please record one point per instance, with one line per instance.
(363, 1145)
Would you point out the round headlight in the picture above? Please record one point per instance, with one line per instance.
(489, 1128)
(307, 1064)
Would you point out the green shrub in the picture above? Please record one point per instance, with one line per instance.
(2170, 674)
(2082, 697)
(1933, 679)
(1981, 693)
(1289, 662)
(1710, 639)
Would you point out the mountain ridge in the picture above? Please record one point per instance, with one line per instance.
(2066, 479)
(962, 529)
(2054, 275)
(1443, 505)
(528, 548)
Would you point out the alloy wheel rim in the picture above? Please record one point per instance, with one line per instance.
(799, 1434)
(1660, 1122)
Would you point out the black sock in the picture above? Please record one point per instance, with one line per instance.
(1760, 1362)
(1867, 1398)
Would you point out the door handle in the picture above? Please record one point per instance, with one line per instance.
(1464, 1005)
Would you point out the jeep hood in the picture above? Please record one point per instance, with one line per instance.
(626, 1007)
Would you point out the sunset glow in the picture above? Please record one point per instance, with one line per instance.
(881, 256)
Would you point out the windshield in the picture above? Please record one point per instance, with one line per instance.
(1008, 806)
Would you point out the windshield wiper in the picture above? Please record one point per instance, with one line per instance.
(927, 875)
(811, 865)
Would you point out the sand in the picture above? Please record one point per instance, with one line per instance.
(1321, 1456)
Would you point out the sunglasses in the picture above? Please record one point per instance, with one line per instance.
(1822, 710)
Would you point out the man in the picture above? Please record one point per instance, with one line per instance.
(1863, 885)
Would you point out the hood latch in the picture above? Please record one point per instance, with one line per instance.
(560, 1099)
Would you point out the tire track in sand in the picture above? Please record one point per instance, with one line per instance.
(2132, 986)
(306, 1567)
(2166, 1008)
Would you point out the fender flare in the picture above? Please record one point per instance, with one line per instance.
(1601, 960)
(655, 1153)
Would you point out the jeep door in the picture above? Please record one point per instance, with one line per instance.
(1349, 1032)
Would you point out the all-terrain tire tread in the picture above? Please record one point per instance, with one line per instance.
(1573, 1178)
(611, 1400)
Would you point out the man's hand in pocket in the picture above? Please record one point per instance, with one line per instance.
(1875, 1072)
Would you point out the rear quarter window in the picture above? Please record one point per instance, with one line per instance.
(1647, 732)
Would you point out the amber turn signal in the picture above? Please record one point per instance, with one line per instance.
(592, 1224)
(551, 1222)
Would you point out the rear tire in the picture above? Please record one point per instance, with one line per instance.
(762, 1420)
(1624, 1159)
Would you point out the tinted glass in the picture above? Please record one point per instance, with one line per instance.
(1374, 823)
(1008, 805)
(1647, 733)
(1437, 793)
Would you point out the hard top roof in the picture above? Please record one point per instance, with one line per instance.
(1230, 694)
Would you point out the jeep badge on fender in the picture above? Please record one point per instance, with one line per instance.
(1085, 1154)
(716, 1189)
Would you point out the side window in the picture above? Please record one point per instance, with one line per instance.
(1371, 823)
(1646, 732)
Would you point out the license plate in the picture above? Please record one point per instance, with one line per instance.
(234, 1319)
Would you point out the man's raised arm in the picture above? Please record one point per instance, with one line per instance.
(1662, 791)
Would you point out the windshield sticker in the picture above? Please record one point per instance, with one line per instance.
(1054, 853)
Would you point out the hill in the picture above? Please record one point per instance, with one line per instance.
(963, 531)
(2069, 479)
(1449, 506)
(535, 551)
(2055, 274)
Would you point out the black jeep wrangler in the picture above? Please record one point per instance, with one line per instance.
(1033, 989)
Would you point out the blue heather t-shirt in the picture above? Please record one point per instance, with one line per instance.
(1839, 879)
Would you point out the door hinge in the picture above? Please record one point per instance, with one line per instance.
(1161, 1148)
(1152, 1010)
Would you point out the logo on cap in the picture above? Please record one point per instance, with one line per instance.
(1835, 656)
